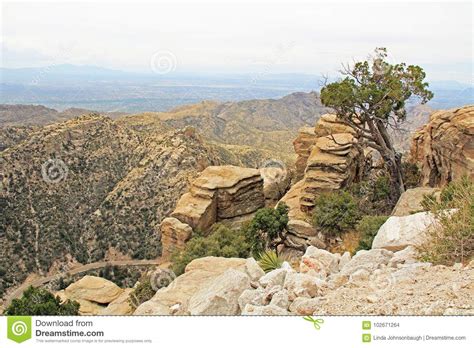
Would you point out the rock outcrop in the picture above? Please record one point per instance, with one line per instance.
(445, 146)
(398, 232)
(332, 165)
(331, 161)
(198, 276)
(410, 200)
(303, 144)
(219, 193)
(97, 296)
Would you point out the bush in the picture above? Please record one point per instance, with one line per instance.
(453, 240)
(269, 261)
(266, 226)
(368, 227)
(222, 242)
(142, 293)
(335, 212)
(411, 175)
(38, 301)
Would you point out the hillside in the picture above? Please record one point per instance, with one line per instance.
(39, 115)
(265, 124)
(75, 190)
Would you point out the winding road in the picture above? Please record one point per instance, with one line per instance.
(84, 268)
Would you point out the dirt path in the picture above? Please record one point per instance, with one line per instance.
(84, 268)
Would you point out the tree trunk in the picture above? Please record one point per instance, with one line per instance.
(394, 164)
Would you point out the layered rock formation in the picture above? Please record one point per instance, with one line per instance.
(303, 144)
(219, 193)
(445, 146)
(331, 161)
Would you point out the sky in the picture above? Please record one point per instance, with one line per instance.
(246, 37)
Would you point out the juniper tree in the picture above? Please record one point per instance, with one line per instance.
(371, 99)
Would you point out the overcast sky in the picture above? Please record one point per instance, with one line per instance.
(312, 37)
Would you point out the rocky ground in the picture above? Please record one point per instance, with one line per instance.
(374, 282)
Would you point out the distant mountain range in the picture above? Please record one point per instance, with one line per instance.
(96, 88)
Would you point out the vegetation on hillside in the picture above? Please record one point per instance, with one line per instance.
(335, 212)
(452, 240)
(38, 301)
(255, 238)
(222, 241)
(266, 228)
(368, 227)
(269, 261)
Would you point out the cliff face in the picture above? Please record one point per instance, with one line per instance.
(444, 147)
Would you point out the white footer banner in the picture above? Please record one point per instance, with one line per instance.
(228, 332)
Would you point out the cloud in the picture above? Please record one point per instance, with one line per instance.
(225, 37)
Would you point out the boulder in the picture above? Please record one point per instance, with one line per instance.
(264, 310)
(197, 212)
(398, 232)
(276, 181)
(119, 306)
(174, 235)
(302, 285)
(152, 308)
(319, 262)
(445, 146)
(220, 297)
(281, 299)
(95, 289)
(410, 200)
(344, 260)
(89, 308)
(254, 271)
(408, 255)
(301, 229)
(368, 260)
(275, 277)
(252, 296)
(198, 274)
(305, 305)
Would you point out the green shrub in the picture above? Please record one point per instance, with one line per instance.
(381, 191)
(266, 226)
(38, 301)
(411, 175)
(335, 212)
(269, 261)
(368, 227)
(453, 240)
(142, 293)
(222, 242)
